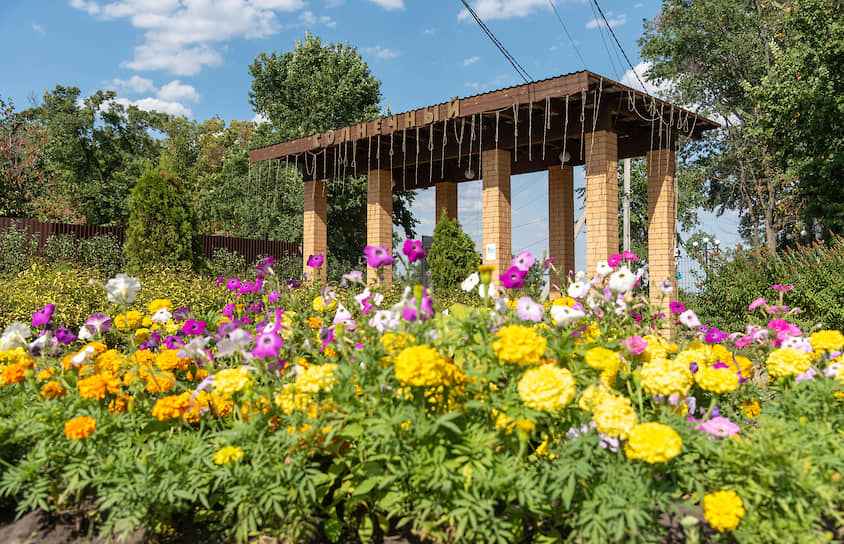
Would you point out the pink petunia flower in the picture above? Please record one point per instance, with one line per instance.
(378, 256)
(413, 250)
(720, 427)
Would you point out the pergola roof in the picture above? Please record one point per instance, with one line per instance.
(538, 122)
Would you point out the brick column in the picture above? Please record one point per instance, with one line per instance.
(601, 197)
(446, 199)
(496, 210)
(561, 221)
(315, 231)
(662, 226)
(379, 217)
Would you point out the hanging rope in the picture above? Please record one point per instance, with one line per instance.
(597, 106)
(668, 145)
(416, 160)
(444, 143)
(391, 154)
(497, 115)
(378, 152)
(480, 147)
(404, 159)
(471, 139)
(430, 153)
(355, 157)
(582, 121)
(369, 154)
(275, 189)
(459, 139)
(565, 135)
(530, 131)
(324, 168)
(516, 132)
(546, 123)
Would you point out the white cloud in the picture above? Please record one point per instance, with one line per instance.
(382, 52)
(639, 5)
(614, 22)
(503, 9)
(260, 119)
(641, 70)
(308, 18)
(181, 36)
(390, 4)
(333, 3)
(326, 20)
(175, 91)
(155, 104)
(430, 32)
(137, 84)
(38, 28)
(471, 60)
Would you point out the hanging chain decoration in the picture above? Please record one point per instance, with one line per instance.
(471, 139)
(516, 132)
(480, 148)
(530, 131)
(459, 139)
(582, 121)
(546, 124)
(324, 169)
(565, 134)
(275, 189)
(597, 106)
(661, 110)
(404, 159)
(378, 152)
(391, 154)
(345, 160)
(369, 154)
(670, 131)
(308, 172)
(442, 154)
(355, 157)
(497, 115)
(416, 160)
(430, 153)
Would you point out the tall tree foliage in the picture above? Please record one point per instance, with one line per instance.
(317, 87)
(22, 176)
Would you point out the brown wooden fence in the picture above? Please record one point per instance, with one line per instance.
(248, 248)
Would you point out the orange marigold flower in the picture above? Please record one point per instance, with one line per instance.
(120, 405)
(46, 374)
(14, 373)
(169, 360)
(80, 427)
(171, 407)
(52, 391)
(199, 375)
(110, 361)
(143, 357)
(161, 382)
(96, 386)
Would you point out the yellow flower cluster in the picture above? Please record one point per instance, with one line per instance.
(592, 396)
(97, 385)
(208, 402)
(52, 391)
(229, 454)
(133, 319)
(171, 407)
(110, 361)
(723, 510)
(14, 356)
(658, 348)
(159, 304)
(424, 366)
(614, 416)
(605, 360)
(159, 382)
(168, 359)
(14, 373)
(827, 340)
(519, 344)
(717, 380)
(319, 305)
(290, 399)
(547, 388)
(232, 380)
(666, 377)
(79, 427)
(395, 342)
(788, 362)
(317, 378)
(653, 443)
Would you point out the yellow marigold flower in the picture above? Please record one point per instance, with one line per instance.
(134, 319)
(592, 396)
(158, 304)
(723, 510)
(788, 362)
(97, 385)
(519, 344)
(602, 359)
(745, 366)
(229, 454)
(52, 391)
(142, 335)
(171, 407)
(614, 416)
(46, 374)
(232, 380)
(658, 348)
(653, 443)
(314, 322)
(79, 427)
(751, 409)
(500, 419)
(329, 352)
(120, 322)
(666, 377)
(525, 425)
(512, 303)
(827, 340)
(171, 327)
(146, 322)
(717, 380)
(291, 399)
(542, 450)
(12, 356)
(168, 359)
(110, 361)
(319, 305)
(547, 387)
(197, 376)
(424, 366)
(563, 301)
(14, 373)
(99, 348)
(159, 382)
(395, 342)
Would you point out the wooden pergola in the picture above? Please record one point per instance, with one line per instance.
(550, 125)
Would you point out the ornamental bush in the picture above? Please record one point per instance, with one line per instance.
(162, 224)
(452, 256)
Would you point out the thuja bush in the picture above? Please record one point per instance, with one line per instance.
(17, 249)
(816, 273)
(162, 223)
(452, 256)
(103, 253)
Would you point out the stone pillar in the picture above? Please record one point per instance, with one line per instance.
(446, 199)
(496, 212)
(315, 231)
(601, 197)
(379, 218)
(662, 226)
(561, 222)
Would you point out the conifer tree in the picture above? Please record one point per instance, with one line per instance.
(452, 256)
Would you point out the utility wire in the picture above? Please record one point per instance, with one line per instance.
(630, 64)
(518, 67)
(604, 41)
(571, 40)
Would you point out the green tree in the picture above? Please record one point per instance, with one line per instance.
(317, 87)
(162, 223)
(452, 256)
(22, 175)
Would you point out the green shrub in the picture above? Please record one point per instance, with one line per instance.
(162, 224)
(452, 256)
(102, 253)
(228, 263)
(17, 249)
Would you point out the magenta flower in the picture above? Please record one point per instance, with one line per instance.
(523, 261)
(714, 336)
(315, 261)
(513, 278)
(757, 303)
(426, 309)
(193, 327)
(413, 250)
(42, 317)
(378, 256)
(233, 284)
(245, 287)
(529, 310)
(292, 284)
(220, 280)
(326, 334)
(636, 344)
(614, 260)
(98, 323)
(272, 298)
(174, 342)
(547, 263)
(720, 427)
(629, 256)
(64, 336)
(265, 269)
(677, 307)
(268, 344)
(782, 288)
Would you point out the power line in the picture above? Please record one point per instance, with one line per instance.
(632, 69)
(571, 40)
(518, 67)
(604, 41)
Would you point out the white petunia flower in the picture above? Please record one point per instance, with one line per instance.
(471, 282)
(162, 316)
(564, 316)
(603, 268)
(122, 289)
(622, 280)
(575, 289)
(15, 336)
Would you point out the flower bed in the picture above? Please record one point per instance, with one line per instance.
(341, 420)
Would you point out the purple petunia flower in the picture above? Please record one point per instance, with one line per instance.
(636, 344)
(173, 342)
(529, 310)
(42, 317)
(64, 336)
(268, 344)
(233, 284)
(272, 298)
(378, 256)
(629, 256)
(292, 284)
(714, 336)
(181, 313)
(315, 261)
(193, 327)
(523, 261)
(413, 250)
(782, 288)
(757, 303)
(265, 269)
(245, 287)
(98, 323)
(513, 278)
(677, 307)
(693, 367)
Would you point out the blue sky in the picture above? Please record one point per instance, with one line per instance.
(191, 57)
